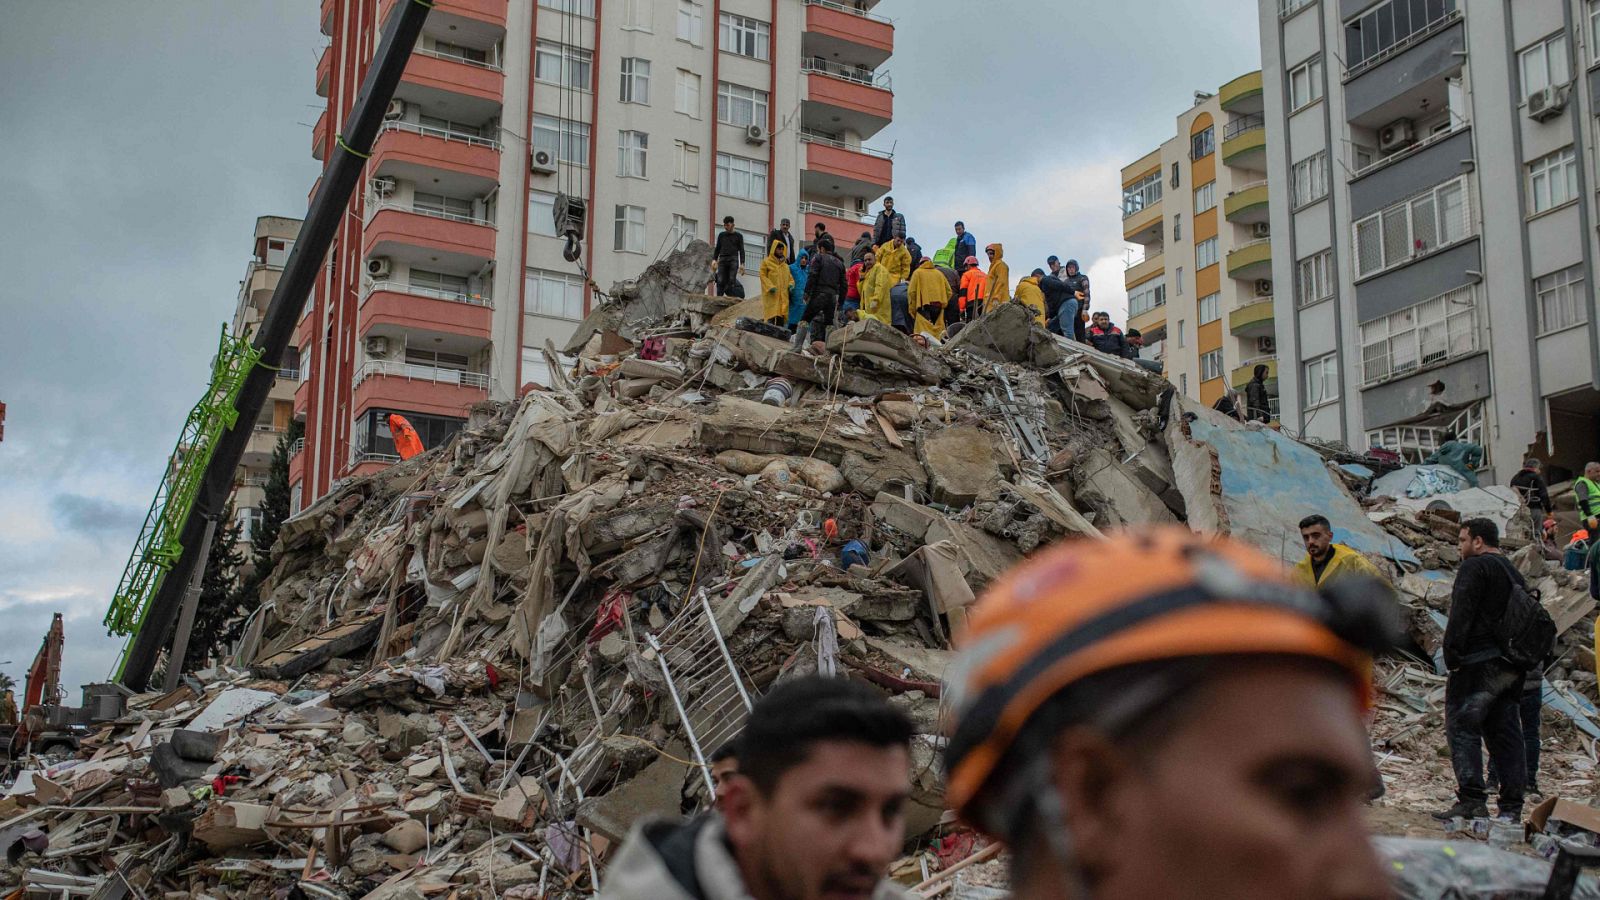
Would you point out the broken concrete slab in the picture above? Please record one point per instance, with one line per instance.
(963, 464)
(882, 345)
(229, 707)
(1008, 334)
(655, 791)
(313, 652)
(1117, 497)
(172, 770)
(196, 746)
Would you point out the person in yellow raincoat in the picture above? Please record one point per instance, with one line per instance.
(776, 280)
(1326, 561)
(999, 278)
(928, 294)
(896, 257)
(1029, 294)
(876, 282)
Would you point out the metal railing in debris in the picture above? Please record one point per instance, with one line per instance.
(705, 684)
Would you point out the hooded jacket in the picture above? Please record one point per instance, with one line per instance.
(1345, 562)
(789, 246)
(1056, 293)
(827, 274)
(974, 285)
(776, 280)
(888, 226)
(896, 260)
(876, 284)
(999, 279)
(797, 293)
(1078, 283)
(1029, 295)
(929, 288)
(862, 245)
(916, 253)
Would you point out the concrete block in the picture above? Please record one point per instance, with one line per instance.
(962, 464)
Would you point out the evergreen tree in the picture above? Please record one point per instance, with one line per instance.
(274, 504)
(220, 596)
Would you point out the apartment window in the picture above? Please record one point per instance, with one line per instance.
(636, 15)
(542, 213)
(1561, 300)
(1205, 197)
(1177, 227)
(688, 166)
(1211, 365)
(1545, 65)
(566, 140)
(632, 148)
(1376, 33)
(1432, 331)
(1177, 176)
(745, 36)
(1286, 7)
(1321, 379)
(1183, 382)
(440, 283)
(688, 94)
(249, 520)
(455, 362)
(1210, 308)
(739, 105)
(742, 178)
(560, 64)
(630, 229)
(554, 294)
(1205, 253)
(1310, 182)
(684, 232)
(755, 249)
(636, 81)
(1313, 278)
(1553, 180)
(691, 15)
(439, 205)
(1594, 31)
(1180, 333)
(1203, 143)
(1144, 193)
(1305, 83)
(435, 123)
(580, 7)
(1412, 228)
(1178, 280)
(1145, 297)
(458, 51)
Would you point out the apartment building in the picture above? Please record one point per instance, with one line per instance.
(663, 116)
(1202, 294)
(1433, 177)
(274, 238)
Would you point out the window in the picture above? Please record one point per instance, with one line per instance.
(755, 249)
(1375, 34)
(581, 7)
(371, 433)
(742, 178)
(566, 140)
(458, 51)
(744, 36)
(635, 81)
(688, 166)
(1205, 197)
(1178, 280)
(1177, 227)
(738, 105)
(1432, 331)
(1561, 300)
(632, 147)
(1321, 379)
(249, 520)
(630, 229)
(1210, 308)
(1594, 31)
(1147, 296)
(1544, 65)
(554, 294)
(453, 208)
(1305, 83)
(1313, 278)
(1287, 7)
(1180, 333)
(688, 95)
(1553, 180)
(1311, 179)
(435, 123)
(1183, 381)
(1211, 365)
(684, 232)
(1203, 143)
(1412, 228)
(1144, 193)
(559, 64)
(542, 213)
(636, 15)
(1205, 253)
(440, 283)
(456, 362)
(1177, 176)
(690, 17)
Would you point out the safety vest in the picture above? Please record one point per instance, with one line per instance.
(1592, 492)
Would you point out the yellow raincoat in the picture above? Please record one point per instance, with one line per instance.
(999, 280)
(1029, 295)
(776, 280)
(928, 287)
(896, 260)
(875, 285)
(1345, 562)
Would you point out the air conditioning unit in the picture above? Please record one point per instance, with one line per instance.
(755, 134)
(544, 162)
(377, 346)
(1266, 345)
(1396, 135)
(1548, 103)
(395, 110)
(378, 267)
(384, 185)
(1264, 287)
(1261, 230)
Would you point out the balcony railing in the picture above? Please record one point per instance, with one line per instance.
(811, 137)
(268, 429)
(454, 57)
(1420, 34)
(288, 374)
(396, 369)
(359, 457)
(1415, 148)
(251, 481)
(857, 74)
(1243, 124)
(823, 209)
(847, 8)
(441, 133)
(414, 290)
(375, 206)
(297, 447)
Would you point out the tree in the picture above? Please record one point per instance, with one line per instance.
(274, 504)
(220, 597)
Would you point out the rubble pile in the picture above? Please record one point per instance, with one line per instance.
(473, 672)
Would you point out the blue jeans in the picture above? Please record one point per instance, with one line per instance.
(1067, 319)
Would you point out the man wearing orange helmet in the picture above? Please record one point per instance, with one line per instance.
(1190, 729)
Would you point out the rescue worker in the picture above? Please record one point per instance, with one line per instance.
(797, 292)
(896, 257)
(1106, 337)
(1326, 562)
(862, 245)
(876, 283)
(407, 443)
(927, 296)
(1191, 727)
(915, 249)
(974, 286)
(1077, 282)
(852, 287)
(1462, 457)
(1060, 309)
(776, 280)
(1532, 488)
(824, 287)
(888, 225)
(1586, 491)
(1029, 295)
(999, 279)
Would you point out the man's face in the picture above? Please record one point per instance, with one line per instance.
(1136, 340)
(1591, 472)
(830, 828)
(819, 230)
(1102, 320)
(722, 772)
(1072, 268)
(888, 204)
(1318, 540)
(960, 230)
(785, 226)
(868, 261)
(1257, 795)
(899, 242)
(1468, 545)
(1055, 266)
(727, 226)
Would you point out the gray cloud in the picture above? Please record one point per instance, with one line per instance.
(95, 516)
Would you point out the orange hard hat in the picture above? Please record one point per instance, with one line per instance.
(1086, 607)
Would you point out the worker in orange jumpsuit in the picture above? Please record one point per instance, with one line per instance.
(407, 442)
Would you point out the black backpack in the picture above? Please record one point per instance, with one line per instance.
(1526, 633)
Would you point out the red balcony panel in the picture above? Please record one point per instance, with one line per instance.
(404, 227)
(423, 313)
(324, 71)
(851, 164)
(428, 397)
(844, 231)
(319, 136)
(491, 11)
(402, 146)
(302, 396)
(455, 77)
(297, 471)
(852, 95)
(369, 468)
(844, 26)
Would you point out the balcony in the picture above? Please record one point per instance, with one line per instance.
(407, 150)
(297, 462)
(834, 168)
(1148, 320)
(1144, 226)
(319, 137)
(842, 97)
(1247, 205)
(431, 70)
(1244, 144)
(387, 384)
(1251, 317)
(1251, 261)
(259, 448)
(839, 30)
(1247, 371)
(324, 71)
(843, 224)
(392, 226)
(1242, 95)
(302, 398)
(491, 12)
(1144, 270)
(410, 307)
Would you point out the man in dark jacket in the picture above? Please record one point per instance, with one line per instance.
(729, 254)
(1058, 298)
(782, 233)
(889, 224)
(1483, 690)
(1106, 337)
(1258, 403)
(1532, 487)
(966, 247)
(825, 285)
(916, 253)
(863, 244)
(1078, 283)
(900, 306)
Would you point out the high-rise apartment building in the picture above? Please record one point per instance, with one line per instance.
(1197, 206)
(1433, 207)
(447, 278)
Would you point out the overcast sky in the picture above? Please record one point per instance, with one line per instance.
(142, 140)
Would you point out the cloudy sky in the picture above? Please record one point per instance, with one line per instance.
(142, 140)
